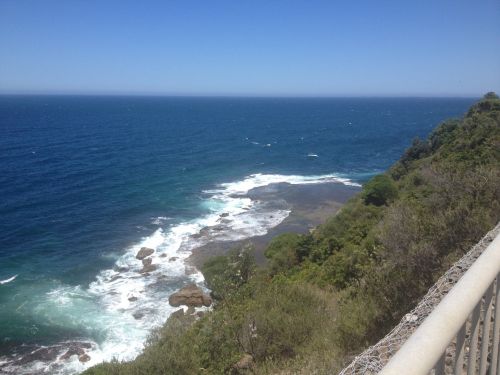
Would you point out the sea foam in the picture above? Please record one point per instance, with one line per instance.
(8, 280)
(120, 308)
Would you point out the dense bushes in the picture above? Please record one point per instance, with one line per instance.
(225, 275)
(279, 321)
(379, 190)
(329, 294)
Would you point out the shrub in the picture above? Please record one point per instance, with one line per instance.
(284, 252)
(490, 95)
(417, 150)
(224, 275)
(283, 318)
(377, 256)
(379, 191)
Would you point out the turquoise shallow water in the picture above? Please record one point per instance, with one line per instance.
(86, 181)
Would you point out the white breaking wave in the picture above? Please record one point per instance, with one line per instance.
(121, 307)
(159, 220)
(8, 280)
(258, 180)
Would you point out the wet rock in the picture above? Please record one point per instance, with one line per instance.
(42, 354)
(225, 214)
(147, 262)
(48, 354)
(132, 299)
(144, 252)
(173, 259)
(120, 269)
(138, 315)
(75, 350)
(116, 277)
(148, 268)
(163, 255)
(190, 270)
(84, 358)
(190, 295)
(190, 310)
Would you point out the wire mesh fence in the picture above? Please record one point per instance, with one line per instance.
(373, 359)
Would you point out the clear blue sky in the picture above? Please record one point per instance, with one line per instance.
(237, 47)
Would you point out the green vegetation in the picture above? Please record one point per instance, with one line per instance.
(327, 295)
(379, 191)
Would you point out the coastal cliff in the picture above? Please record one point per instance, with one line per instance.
(326, 295)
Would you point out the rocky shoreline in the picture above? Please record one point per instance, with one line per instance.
(310, 205)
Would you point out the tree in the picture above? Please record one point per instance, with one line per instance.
(225, 274)
(379, 190)
(417, 150)
(491, 95)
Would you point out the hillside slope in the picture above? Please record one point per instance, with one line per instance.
(327, 295)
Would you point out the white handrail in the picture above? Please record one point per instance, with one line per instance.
(426, 345)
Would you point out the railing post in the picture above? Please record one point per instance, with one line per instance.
(424, 348)
(440, 367)
(459, 351)
(495, 358)
(488, 306)
(474, 334)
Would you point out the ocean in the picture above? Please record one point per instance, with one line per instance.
(85, 182)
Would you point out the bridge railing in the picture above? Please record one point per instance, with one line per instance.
(458, 313)
(462, 333)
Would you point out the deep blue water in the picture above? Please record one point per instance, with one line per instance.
(82, 179)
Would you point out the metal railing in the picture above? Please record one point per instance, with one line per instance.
(462, 333)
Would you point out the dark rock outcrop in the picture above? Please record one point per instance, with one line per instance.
(148, 268)
(190, 295)
(138, 315)
(84, 358)
(144, 252)
(41, 354)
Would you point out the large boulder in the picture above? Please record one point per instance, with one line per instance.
(190, 295)
(148, 268)
(84, 358)
(73, 350)
(144, 252)
(138, 315)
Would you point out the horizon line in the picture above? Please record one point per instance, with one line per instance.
(242, 96)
